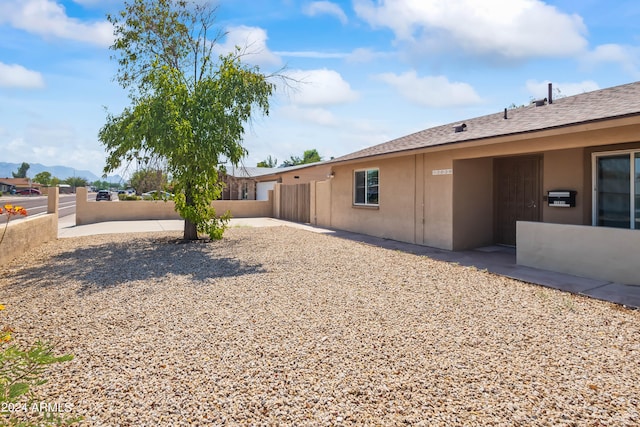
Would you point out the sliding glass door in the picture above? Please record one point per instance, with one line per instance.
(617, 189)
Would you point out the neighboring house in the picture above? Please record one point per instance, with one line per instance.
(253, 183)
(18, 183)
(558, 179)
(240, 182)
(5, 187)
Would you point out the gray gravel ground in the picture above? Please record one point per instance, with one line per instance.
(279, 326)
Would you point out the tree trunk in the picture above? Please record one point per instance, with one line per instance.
(190, 230)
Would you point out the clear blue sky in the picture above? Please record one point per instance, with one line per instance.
(372, 70)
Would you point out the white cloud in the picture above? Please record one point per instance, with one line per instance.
(253, 44)
(628, 57)
(49, 19)
(317, 116)
(14, 75)
(312, 54)
(513, 29)
(95, 2)
(325, 8)
(364, 55)
(540, 90)
(321, 87)
(51, 144)
(359, 55)
(431, 91)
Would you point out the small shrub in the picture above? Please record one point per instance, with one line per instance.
(21, 370)
(126, 197)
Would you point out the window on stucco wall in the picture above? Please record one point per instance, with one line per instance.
(245, 191)
(365, 190)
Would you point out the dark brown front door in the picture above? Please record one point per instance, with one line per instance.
(517, 195)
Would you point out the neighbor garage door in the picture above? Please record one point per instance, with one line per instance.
(262, 190)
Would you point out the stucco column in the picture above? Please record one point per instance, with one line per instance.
(81, 204)
(53, 200)
(276, 200)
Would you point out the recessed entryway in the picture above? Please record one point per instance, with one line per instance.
(517, 194)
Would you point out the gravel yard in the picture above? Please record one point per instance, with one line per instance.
(280, 326)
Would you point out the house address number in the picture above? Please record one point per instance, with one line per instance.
(442, 172)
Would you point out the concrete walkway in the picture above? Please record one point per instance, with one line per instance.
(495, 259)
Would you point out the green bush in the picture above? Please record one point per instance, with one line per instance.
(125, 197)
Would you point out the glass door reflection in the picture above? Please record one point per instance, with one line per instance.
(614, 191)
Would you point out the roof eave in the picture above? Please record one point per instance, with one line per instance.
(499, 139)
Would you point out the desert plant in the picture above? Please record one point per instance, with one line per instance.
(10, 211)
(21, 370)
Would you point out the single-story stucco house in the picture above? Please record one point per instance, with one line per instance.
(254, 183)
(558, 179)
(6, 184)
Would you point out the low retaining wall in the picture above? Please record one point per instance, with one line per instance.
(90, 211)
(30, 232)
(245, 208)
(603, 253)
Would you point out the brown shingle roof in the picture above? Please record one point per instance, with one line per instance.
(615, 102)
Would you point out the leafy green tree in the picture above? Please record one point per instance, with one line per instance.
(148, 179)
(22, 171)
(293, 161)
(100, 185)
(309, 156)
(188, 108)
(54, 181)
(43, 178)
(270, 162)
(76, 181)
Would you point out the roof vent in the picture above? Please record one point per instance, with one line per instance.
(540, 102)
(459, 128)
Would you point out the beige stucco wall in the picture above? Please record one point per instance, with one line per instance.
(596, 252)
(438, 200)
(29, 233)
(90, 211)
(321, 203)
(473, 203)
(305, 175)
(564, 170)
(395, 216)
(244, 208)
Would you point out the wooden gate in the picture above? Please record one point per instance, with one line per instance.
(295, 202)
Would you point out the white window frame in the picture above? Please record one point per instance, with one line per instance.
(594, 183)
(366, 187)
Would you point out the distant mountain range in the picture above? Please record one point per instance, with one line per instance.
(62, 172)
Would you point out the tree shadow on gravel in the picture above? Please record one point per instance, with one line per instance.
(103, 266)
